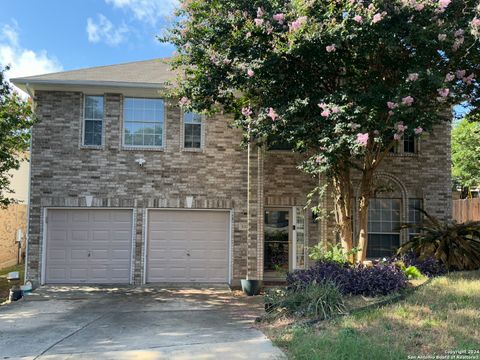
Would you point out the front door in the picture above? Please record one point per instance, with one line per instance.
(277, 243)
(284, 241)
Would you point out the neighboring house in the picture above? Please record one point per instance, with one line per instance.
(13, 219)
(127, 188)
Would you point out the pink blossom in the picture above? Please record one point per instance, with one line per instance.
(335, 109)
(246, 111)
(459, 33)
(362, 139)
(358, 19)
(331, 48)
(322, 106)
(460, 74)
(419, 7)
(319, 159)
(397, 137)
(272, 114)
(442, 37)
(443, 4)
(401, 128)
(469, 79)
(475, 22)
(280, 18)
(248, 34)
(413, 77)
(184, 101)
(407, 100)
(377, 17)
(391, 113)
(326, 113)
(449, 77)
(443, 92)
(391, 105)
(260, 12)
(418, 130)
(258, 22)
(297, 24)
(250, 72)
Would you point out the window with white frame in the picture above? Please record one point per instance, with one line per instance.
(414, 215)
(93, 120)
(143, 122)
(192, 130)
(383, 227)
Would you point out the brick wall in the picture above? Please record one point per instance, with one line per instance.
(63, 173)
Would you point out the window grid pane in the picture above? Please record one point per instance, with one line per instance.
(409, 144)
(414, 214)
(192, 130)
(143, 122)
(93, 121)
(383, 227)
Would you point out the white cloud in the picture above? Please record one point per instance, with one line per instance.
(104, 30)
(22, 61)
(146, 10)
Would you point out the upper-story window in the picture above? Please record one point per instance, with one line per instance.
(192, 130)
(407, 145)
(143, 122)
(93, 121)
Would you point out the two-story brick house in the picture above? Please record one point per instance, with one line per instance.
(126, 188)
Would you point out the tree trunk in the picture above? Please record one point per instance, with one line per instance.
(365, 195)
(343, 208)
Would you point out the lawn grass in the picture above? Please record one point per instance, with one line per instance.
(4, 285)
(443, 315)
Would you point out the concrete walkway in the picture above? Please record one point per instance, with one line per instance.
(126, 323)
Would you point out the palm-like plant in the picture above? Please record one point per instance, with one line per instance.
(456, 246)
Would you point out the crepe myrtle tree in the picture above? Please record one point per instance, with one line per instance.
(16, 118)
(341, 80)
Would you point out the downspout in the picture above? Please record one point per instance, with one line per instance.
(27, 233)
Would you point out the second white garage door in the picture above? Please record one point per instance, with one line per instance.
(187, 246)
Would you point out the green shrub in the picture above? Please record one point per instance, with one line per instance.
(320, 300)
(331, 253)
(412, 272)
(455, 246)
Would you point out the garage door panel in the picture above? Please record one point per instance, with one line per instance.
(88, 246)
(202, 234)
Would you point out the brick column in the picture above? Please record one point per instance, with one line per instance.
(255, 201)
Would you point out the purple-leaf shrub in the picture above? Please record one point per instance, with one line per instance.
(381, 279)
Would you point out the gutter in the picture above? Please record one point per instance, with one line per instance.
(124, 84)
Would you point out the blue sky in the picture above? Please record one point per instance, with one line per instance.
(53, 35)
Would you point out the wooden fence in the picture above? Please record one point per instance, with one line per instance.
(466, 210)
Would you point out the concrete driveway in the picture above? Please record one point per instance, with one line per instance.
(124, 323)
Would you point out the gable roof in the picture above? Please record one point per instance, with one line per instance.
(149, 73)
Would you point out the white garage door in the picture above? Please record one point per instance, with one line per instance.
(187, 246)
(88, 246)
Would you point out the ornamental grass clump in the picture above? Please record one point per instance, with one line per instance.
(317, 300)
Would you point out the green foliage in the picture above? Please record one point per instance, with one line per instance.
(322, 300)
(319, 84)
(340, 81)
(16, 118)
(332, 253)
(466, 152)
(412, 272)
(456, 246)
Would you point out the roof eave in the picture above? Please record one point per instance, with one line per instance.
(26, 82)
